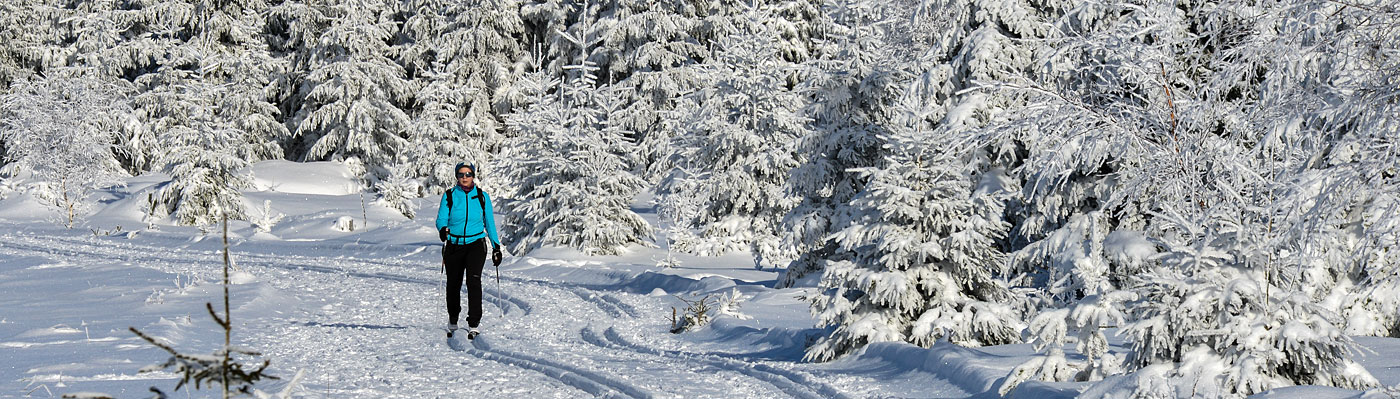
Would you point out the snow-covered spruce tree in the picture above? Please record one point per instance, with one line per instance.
(482, 48)
(852, 84)
(205, 108)
(61, 130)
(1339, 121)
(649, 49)
(462, 58)
(1215, 325)
(292, 31)
(442, 134)
(354, 90)
(111, 37)
(924, 258)
(1141, 121)
(236, 57)
(113, 41)
(734, 149)
(568, 166)
(26, 31)
(651, 46)
(206, 171)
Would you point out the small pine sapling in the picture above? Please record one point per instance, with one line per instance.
(218, 368)
(697, 314)
(1050, 331)
(702, 311)
(267, 218)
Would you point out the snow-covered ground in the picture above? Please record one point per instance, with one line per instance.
(360, 312)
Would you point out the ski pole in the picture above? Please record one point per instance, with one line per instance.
(500, 296)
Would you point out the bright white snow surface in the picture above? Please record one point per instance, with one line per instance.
(361, 312)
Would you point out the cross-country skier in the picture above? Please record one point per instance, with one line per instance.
(464, 222)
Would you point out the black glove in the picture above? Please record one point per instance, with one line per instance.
(442, 234)
(496, 257)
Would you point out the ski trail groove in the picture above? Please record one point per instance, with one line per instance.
(602, 301)
(587, 381)
(794, 383)
(620, 305)
(624, 307)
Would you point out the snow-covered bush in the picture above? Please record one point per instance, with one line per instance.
(397, 191)
(696, 314)
(61, 129)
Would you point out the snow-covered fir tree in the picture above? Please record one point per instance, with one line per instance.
(917, 253)
(649, 49)
(237, 58)
(113, 40)
(1148, 119)
(924, 259)
(109, 36)
(27, 31)
(292, 31)
(462, 59)
(443, 134)
(60, 131)
(203, 161)
(569, 166)
(734, 149)
(852, 83)
(205, 109)
(354, 90)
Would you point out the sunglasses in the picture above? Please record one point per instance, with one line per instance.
(468, 174)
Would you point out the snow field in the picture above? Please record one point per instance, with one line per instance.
(370, 327)
(360, 313)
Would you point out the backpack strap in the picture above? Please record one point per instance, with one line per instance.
(482, 201)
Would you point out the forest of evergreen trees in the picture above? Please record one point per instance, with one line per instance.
(1215, 179)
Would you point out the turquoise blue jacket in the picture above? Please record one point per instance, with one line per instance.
(464, 221)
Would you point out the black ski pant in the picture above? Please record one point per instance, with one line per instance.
(458, 260)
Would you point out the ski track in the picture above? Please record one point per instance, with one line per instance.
(790, 382)
(595, 384)
(607, 303)
(794, 383)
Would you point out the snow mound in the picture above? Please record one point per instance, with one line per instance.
(318, 178)
(241, 277)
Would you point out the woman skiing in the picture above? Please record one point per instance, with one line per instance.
(464, 222)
